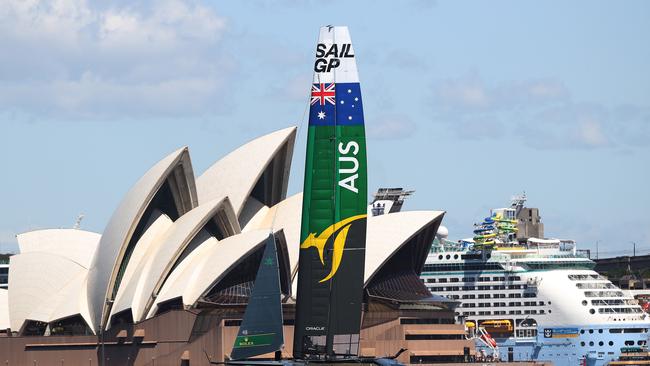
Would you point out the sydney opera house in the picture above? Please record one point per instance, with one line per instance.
(167, 280)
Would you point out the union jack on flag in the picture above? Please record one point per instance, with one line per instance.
(323, 93)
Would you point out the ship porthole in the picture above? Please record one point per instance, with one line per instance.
(582, 344)
(591, 344)
(611, 343)
(601, 343)
(592, 311)
(584, 302)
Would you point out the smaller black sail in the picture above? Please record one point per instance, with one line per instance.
(261, 328)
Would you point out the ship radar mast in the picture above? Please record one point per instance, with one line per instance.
(77, 222)
(517, 202)
(388, 200)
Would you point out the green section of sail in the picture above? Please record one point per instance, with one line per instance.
(325, 202)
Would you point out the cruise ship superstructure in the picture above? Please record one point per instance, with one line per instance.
(538, 299)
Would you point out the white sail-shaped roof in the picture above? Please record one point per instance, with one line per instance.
(173, 286)
(265, 160)
(72, 300)
(77, 245)
(387, 233)
(145, 249)
(285, 216)
(200, 270)
(155, 268)
(172, 176)
(42, 284)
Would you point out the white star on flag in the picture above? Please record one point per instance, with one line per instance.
(321, 115)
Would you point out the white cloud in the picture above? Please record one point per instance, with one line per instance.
(590, 133)
(70, 58)
(472, 92)
(541, 113)
(464, 93)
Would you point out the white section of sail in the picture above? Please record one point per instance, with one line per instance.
(335, 58)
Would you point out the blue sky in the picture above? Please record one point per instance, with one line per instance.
(466, 102)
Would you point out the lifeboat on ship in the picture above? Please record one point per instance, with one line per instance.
(498, 326)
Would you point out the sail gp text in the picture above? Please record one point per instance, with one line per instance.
(328, 58)
(349, 181)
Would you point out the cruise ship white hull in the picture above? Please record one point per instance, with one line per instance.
(558, 308)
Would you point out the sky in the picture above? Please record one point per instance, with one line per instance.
(465, 102)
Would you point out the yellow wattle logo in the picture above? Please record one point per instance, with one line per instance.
(339, 242)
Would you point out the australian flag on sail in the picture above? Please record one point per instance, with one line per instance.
(335, 104)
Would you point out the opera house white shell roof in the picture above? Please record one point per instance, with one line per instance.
(179, 239)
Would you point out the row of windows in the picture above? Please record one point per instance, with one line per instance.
(445, 267)
(618, 330)
(448, 256)
(474, 279)
(619, 310)
(604, 294)
(583, 277)
(611, 343)
(526, 333)
(601, 343)
(503, 312)
(464, 256)
(559, 265)
(498, 304)
(628, 330)
(606, 302)
(594, 285)
(479, 288)
(499, 296)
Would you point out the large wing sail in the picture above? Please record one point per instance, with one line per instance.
(333, 231)
(261, 329)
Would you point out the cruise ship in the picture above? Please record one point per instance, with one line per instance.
(527, 298)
